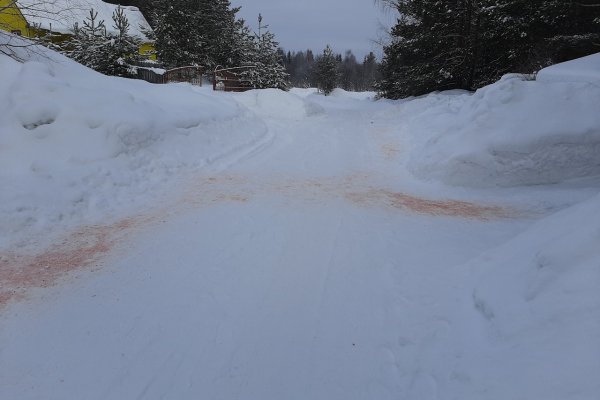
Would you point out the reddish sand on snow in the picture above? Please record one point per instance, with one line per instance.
(82, 248)
(449, 208)
(85, 247)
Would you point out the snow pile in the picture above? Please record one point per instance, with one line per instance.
(76, 146)
(514, 132)
(269, 103)
(586, 69)
(301, 103)
(536, 302)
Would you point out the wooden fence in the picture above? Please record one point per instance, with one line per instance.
(231, 79)
(189, 74)
(150, 76)
(223, 79)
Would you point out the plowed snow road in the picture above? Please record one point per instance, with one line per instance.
(310, 267)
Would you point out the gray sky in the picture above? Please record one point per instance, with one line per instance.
(302, 24)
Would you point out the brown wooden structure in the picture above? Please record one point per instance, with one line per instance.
(230, 79)
(189, 74)
(150, 76)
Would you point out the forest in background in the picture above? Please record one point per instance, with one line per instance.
(434, 45)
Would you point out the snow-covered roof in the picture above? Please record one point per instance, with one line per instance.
(60, 15)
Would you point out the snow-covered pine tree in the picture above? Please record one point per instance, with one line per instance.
(427, 49)
(123, 49)
(264, 60)
(465, 44)
(197, 32)
(219, 27)
(93, 47)
(178, 37)
(565, 29)
(524, 36)
(89, 42)
(326, 72)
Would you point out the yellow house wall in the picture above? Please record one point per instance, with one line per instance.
(148, 51)
(11, 19)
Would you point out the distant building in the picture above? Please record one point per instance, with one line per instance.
(34, 18)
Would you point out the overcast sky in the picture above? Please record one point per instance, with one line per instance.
(303, 24)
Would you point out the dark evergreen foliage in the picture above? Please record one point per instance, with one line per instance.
(355, 76)
(197, 32)
(369, 72)
(300, 66)
(261, 53)
(93, 47)
(327, 73)
(466, 44)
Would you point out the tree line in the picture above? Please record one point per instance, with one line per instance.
(434, 45)
(467, 44)
(330, 69)
(209, 33)
(215, 22)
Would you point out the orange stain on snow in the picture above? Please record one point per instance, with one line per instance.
(81, 249)
(419, 205)
(84, 248)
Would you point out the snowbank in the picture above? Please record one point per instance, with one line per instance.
(514, 132)
(586, 69)
(276, 103)
(536, 301)
(77, 146)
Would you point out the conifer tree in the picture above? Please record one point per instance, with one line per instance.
(349, 72)
(369, 72)
(178, 40)
(92, 46)
(425, 53)
(89, 42)
(197, 32)
(123, 48)
(264, 60)
(465, 44)
(326, 72)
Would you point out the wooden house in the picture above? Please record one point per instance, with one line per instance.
(34, 18)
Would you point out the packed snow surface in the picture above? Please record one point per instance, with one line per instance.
(165, 241)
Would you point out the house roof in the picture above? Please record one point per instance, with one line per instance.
(61, 15)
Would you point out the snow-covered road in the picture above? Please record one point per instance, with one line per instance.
(309, 266)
